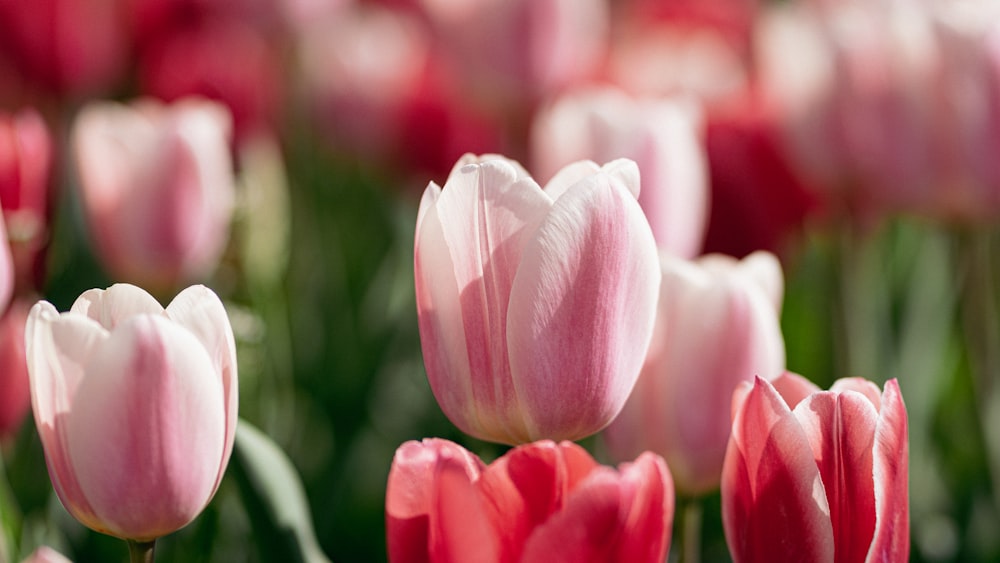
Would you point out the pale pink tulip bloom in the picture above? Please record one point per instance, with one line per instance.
(158, 188)
(135, 405)
(665, 137)
(517, 51)
(717, 327)
(541, 502)
(816, 475)
(535, 306)
(46, 554)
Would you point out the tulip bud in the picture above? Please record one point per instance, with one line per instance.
(816, 475)
(539, 502)
(663, 136)
(46, 554)
(158, 187)
(717, 326)
(135, 406)
(535, 306)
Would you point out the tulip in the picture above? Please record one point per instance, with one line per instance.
(46, 554)
(717, 326)
(519, 51)
(535, 306)
(135, 406)
(15, 398)
(539, 502)
(664, 137)
(25, 165)
(816, 475)
(157, 185)
(68, 47)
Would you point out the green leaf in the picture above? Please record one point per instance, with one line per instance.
(274, 498)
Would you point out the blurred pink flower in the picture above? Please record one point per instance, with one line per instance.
(535, 306)
(157, 185)
(717, 326)
(15, 398)
(664, 137)
(816, 475)
(25, 166)
(135, 405)
(46, 554)
(516, 52)
(68, 47)
(540, 502)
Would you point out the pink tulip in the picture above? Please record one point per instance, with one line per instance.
(46, 554)
(717, 326)
(135, 405)
(816, 475)
(664, 137)
(158, 187)
(15, 393)
(25, 165)
(519, 51)
(535, 306)
(540, 502)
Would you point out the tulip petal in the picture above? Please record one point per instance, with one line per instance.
(891, 540)
(840, 428)
(57, 348)
(581, 310)
(860, 385)
(610, 516)
(774, 506)
(530, 483)
(486, 215)
(460, 527)
(650, 517)
(147, 429)
(410, 496)
(569, 175)
(793, 388)
(115, 304)
(200, 310)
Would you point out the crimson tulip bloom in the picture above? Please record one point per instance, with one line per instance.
(539, 502)
(816, 475)
(135, 406)
(535, 306)
(15, 399)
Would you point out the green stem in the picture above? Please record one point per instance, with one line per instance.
(691, 516)
(141, 551)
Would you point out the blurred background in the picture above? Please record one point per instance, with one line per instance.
(858, 140)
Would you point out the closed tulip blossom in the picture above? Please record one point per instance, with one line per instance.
(816, 475)
(535, 305)
(158, 188)
(15, 395)
(540, 502)
(717, 326)
(135, 405)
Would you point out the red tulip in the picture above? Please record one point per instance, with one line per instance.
(540, 502)
(816, 475)
(535, 306)
(15, 394)
(25, 165)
